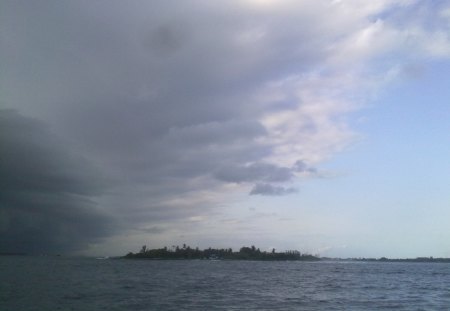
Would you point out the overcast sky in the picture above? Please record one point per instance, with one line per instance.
(322, 126)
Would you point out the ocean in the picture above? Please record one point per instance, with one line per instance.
(59, 283)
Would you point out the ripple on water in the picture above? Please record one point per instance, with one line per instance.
(82, 284)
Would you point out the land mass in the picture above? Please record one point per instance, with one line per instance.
(244, 253)
(253, 253)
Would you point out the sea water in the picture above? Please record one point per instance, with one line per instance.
(58, 283)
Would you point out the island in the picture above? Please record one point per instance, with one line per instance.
(244, 253)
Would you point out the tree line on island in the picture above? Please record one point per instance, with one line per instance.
(244, 253)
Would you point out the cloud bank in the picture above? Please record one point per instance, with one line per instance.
(48, 194)
(180, 105)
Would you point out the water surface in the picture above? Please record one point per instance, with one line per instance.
(58, 283)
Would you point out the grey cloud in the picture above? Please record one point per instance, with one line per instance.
(254, 172)
(301, 167)
(161, 95)
(35, 160)
(47, 200)
(262, 172)
(153, 230)
(271, 190)
(165, 40)
(226, 132)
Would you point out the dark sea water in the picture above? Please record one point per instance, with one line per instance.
(46, 283)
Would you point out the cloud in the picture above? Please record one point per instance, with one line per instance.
(255, 172)
(301, 167)
(263, 174)
(180, 107)
(47, 200)
(271, 190)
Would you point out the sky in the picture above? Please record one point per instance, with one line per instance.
(321, 126)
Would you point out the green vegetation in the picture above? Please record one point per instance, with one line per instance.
(245, 253)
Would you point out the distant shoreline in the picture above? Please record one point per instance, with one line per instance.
(245, 253)
(384, 259)
(316, 259)
(252, 253)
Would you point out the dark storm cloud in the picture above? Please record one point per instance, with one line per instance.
(47, 196)
(167, 97)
